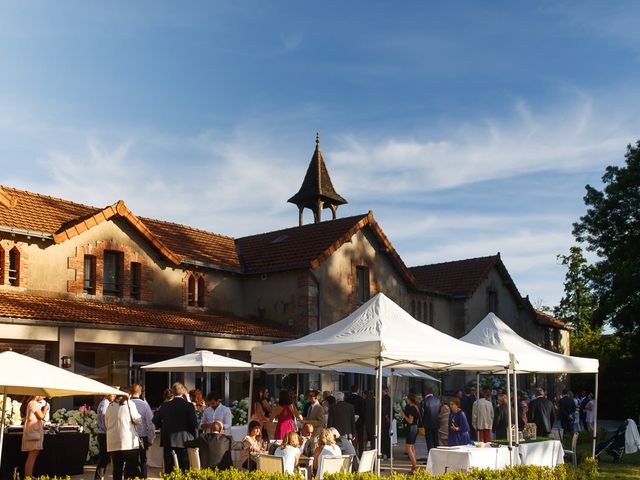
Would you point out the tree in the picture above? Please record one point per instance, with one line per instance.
(611, 228)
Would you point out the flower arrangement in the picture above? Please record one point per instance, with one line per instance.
(87, 419)
(11, 412)
(240, 411)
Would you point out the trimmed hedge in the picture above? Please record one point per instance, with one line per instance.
(587, 470)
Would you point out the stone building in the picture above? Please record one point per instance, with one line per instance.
(103, 291)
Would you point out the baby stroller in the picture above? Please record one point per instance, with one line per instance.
(615, 445)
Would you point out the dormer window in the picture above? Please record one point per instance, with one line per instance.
(14, 267)
(191, 291)
(362, 284)
(201, 292)
(112, 278)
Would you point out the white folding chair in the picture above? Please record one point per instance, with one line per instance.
(271, 464)
(367, 461)
(572, 453)
(333, 464)
(194, 458)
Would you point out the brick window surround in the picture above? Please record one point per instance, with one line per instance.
(13, 257)
(128, 255)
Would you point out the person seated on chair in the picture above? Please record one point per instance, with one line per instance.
(326, 446)
(214, 448)
(289, 450)
(308, 442)
(252, 445)
(346, 448)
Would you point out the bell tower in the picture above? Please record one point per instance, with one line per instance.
(317, 192)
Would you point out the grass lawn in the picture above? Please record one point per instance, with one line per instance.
(629, 468)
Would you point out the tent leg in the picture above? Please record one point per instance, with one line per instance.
(515, 406)
(378, 436)
(509, 418)
(4, 406)
(595, 419)
(250, 394)
(477, 399)
(392, 385)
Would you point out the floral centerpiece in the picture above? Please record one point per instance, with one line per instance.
(240, 411)
(87, 419)
(11, 412)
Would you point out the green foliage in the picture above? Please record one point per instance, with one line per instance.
(611, 228)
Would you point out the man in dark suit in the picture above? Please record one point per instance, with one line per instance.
(342, 417)
(430, 411)
(541, 413)
(466, 404)
(358, 408)
(177, 422)
(566, 410)
(214, 448)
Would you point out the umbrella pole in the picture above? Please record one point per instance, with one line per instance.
(509, 436)
(250, 394)
(477, 404)
(595, 419)
(4, 406)
(392, 385)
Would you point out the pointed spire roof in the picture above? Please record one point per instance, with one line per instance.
(317, 185)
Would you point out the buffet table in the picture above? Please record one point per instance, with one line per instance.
(547, 453)
(462, 458)
(63, 454)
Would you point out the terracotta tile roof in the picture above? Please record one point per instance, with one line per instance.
(61, 218)
(309, 245)
(35, 307)
(548, 320)
(457, 278)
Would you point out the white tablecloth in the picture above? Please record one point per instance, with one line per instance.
(548, 453)
(462, 458)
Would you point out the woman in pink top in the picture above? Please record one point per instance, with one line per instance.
(285, 412)
(33, 431)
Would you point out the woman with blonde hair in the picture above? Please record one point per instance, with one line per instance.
(33, 415)
(289, 450)
(326, 446)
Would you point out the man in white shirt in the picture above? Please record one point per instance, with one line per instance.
(482, 417)
(146, 430)
(216, 411)
(103, 456)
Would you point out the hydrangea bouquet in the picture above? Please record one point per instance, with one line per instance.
(87, 419)
(240, 411)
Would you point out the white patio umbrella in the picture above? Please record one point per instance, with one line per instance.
(201, 361)
(22, 375)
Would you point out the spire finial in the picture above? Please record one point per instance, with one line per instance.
(318, 139)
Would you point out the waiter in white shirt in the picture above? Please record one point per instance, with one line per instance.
(146, 429)
(216, 411)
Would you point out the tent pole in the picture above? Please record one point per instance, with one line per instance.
(515, 405)
(477, 404)
(4, 406)
(392, 385)
(509, 418)
(595, 419)
(378, 437)
(250, 394)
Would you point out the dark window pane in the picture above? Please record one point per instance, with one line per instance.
(112, 276)
(14, 267)
(362, 284)
(201, 292)
(191, 291)
(136, 280)
(90, 274)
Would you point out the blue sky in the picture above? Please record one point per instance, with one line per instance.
(468, 128)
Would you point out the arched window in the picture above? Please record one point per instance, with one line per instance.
(191, 291)
(201, 292)
(14, 267)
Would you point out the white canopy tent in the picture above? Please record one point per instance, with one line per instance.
(381, 334)
(22, 375)
(272, 369)
(201, 361)
(492, 332)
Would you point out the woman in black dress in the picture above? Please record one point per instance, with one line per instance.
(411, 414)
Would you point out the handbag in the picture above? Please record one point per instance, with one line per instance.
(33, 435)
(140, 442)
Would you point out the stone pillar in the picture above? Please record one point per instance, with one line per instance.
(189, 347)
(66, 347)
